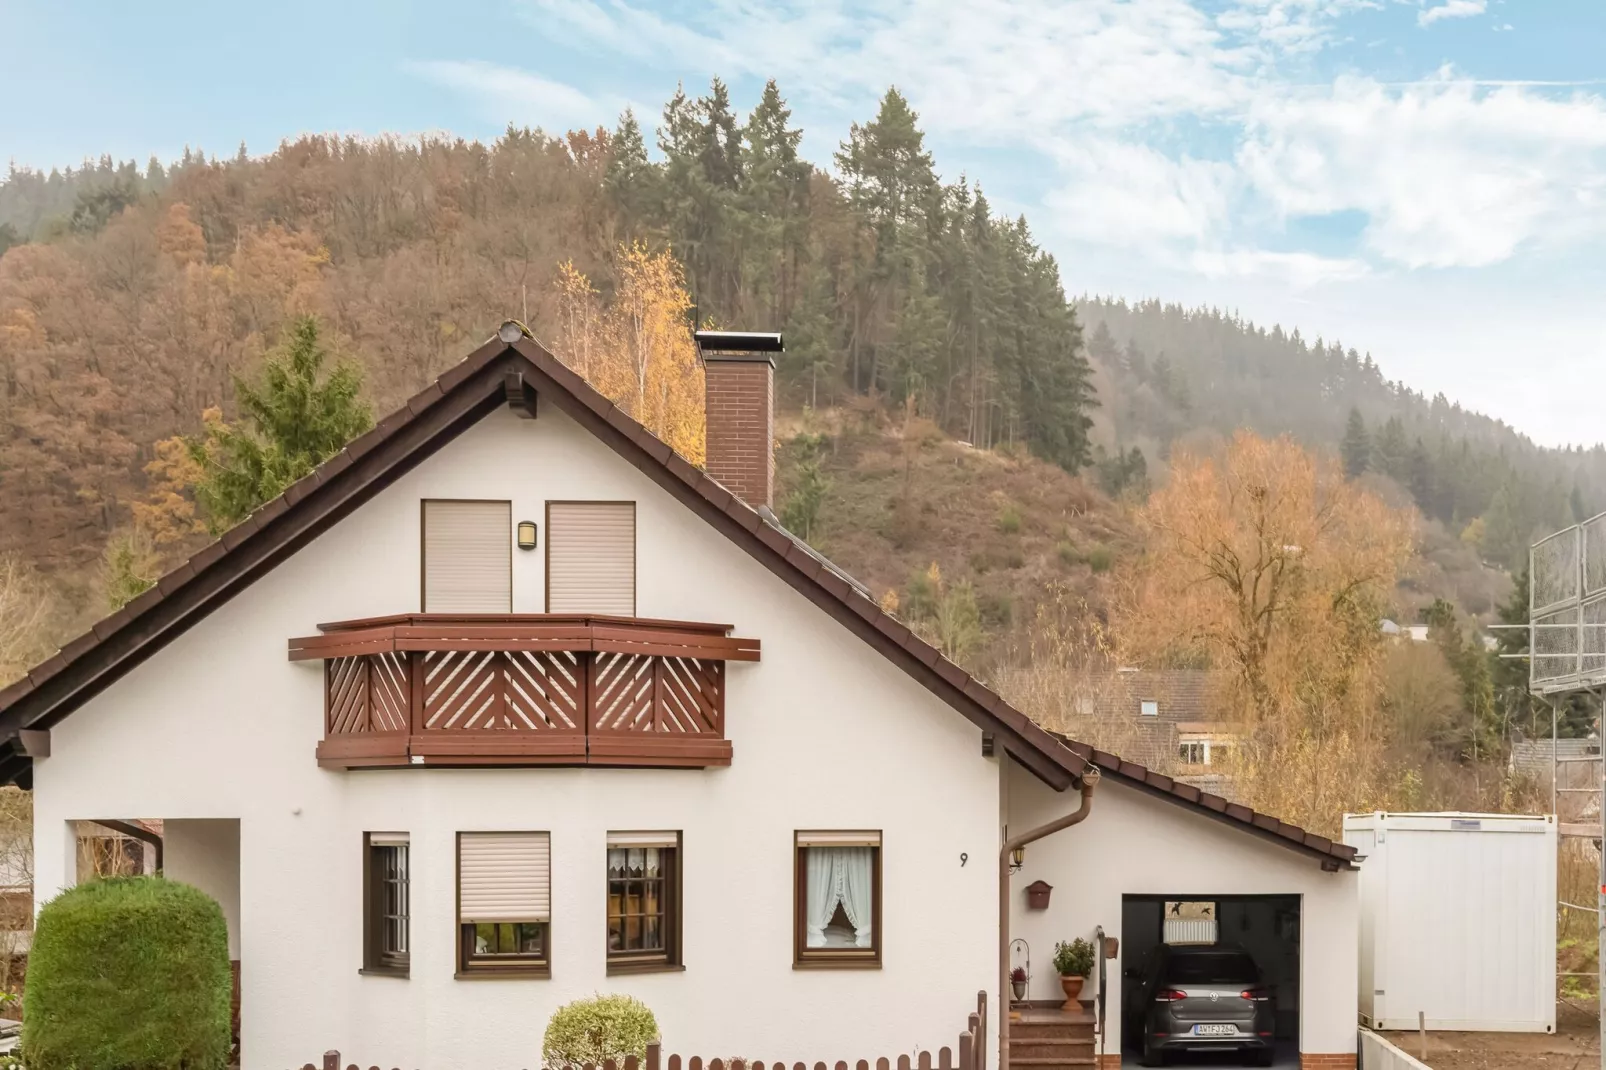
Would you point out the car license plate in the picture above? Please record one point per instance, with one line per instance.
(1215, 1030)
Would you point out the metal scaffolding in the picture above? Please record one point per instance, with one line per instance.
(1567, 656)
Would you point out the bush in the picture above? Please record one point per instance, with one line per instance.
(602, 1027)
(1009, 520)
(1099, 559)
(1074, 959)
(128, 972)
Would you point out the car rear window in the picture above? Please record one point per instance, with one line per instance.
(1223, 968)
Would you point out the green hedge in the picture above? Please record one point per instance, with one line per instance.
(591, 1030)
(130, 973)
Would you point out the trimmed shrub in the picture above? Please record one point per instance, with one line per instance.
(128, 972)
(602, 1027)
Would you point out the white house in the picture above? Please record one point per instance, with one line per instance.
(507, 704)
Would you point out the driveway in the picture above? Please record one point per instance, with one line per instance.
(1287, 1059)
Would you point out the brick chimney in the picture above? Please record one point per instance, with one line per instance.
(739, 378)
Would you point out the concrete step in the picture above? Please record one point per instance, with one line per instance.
(1062, 1029)
(1038, 1048)
(1055, 1063)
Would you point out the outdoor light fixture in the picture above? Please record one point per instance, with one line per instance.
(526, 534)
(1017, 859)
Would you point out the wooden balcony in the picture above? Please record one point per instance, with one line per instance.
(430, 689)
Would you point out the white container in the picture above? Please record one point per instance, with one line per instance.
(1457, 920)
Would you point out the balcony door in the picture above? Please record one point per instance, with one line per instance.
(468, 556)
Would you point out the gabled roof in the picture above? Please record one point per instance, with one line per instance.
(523, 374)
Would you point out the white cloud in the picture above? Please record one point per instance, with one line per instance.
(1448, 173)
(1300, 271)
(1114, 95)
(508, 94)
(1452, 9)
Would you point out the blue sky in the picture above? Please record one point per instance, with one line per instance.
(1424, 179)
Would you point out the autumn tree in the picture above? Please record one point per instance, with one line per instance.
(292, 418)
(1264, 562)
(638, 350)
(23, 609)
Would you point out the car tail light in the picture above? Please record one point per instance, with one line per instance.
(1169, 995)
(1259, 995)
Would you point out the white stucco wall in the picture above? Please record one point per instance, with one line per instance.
(206, 853)
(1135, 844)
(826, 733)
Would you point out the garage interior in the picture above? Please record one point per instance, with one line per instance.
(1265, 926)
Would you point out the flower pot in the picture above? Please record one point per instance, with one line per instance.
(1073, 992)
(1018, 988)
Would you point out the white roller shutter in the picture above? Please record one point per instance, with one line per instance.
(468, 562)
(839, 839)
(504, 876)
(591, 558)
(643, 839)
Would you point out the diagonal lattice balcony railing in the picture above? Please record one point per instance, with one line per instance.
(523, 689)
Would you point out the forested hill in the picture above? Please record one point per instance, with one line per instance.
(1170, 372)
(130, 296)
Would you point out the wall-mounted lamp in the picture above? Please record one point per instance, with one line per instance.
(1017, 859)
(526, 534)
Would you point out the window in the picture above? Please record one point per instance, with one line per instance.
(504, 901)
(838, 899)
(468, 557)
(388, 899)
(643, 900)
(1148, 708)
(591, 558)
(1193, 752)
(1189, 922)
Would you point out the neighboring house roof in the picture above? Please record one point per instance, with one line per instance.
(1532, 756)
(522, 374)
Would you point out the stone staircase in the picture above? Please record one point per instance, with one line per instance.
(1042, 1039)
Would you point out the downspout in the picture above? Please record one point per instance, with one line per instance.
(1090, 781)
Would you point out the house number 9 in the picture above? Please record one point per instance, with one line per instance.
(963, 858)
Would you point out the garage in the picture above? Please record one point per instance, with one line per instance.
(1170, 939)
(1157, 861)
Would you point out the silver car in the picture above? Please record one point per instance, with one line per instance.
(1204, 998)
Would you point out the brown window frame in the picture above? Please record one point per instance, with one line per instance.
(836, 958)
(650, 961)
(423, 544)
(472, 965)
(635, 555)
(375, 918)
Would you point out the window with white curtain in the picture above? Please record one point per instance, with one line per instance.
(838, 917)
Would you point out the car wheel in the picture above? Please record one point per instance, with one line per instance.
(1150, 1057)
(1262, 1057)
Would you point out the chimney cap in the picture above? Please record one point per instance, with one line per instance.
(738, 342)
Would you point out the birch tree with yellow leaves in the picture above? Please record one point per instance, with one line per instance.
(638, 349)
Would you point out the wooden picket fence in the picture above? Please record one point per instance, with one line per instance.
(969, 1054)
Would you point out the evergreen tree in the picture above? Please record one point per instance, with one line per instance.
(1356, 449)
(774, 205)
(293, 418)
(1391, 453)
(631, 180)
(1480, 736)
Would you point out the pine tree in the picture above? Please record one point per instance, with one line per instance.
(773, 205)
(631, 180)
(293, 418)
(1392, 454)
(1356, 449)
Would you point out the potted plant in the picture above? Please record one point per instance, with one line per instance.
(1017, 982)
(1073, 962)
